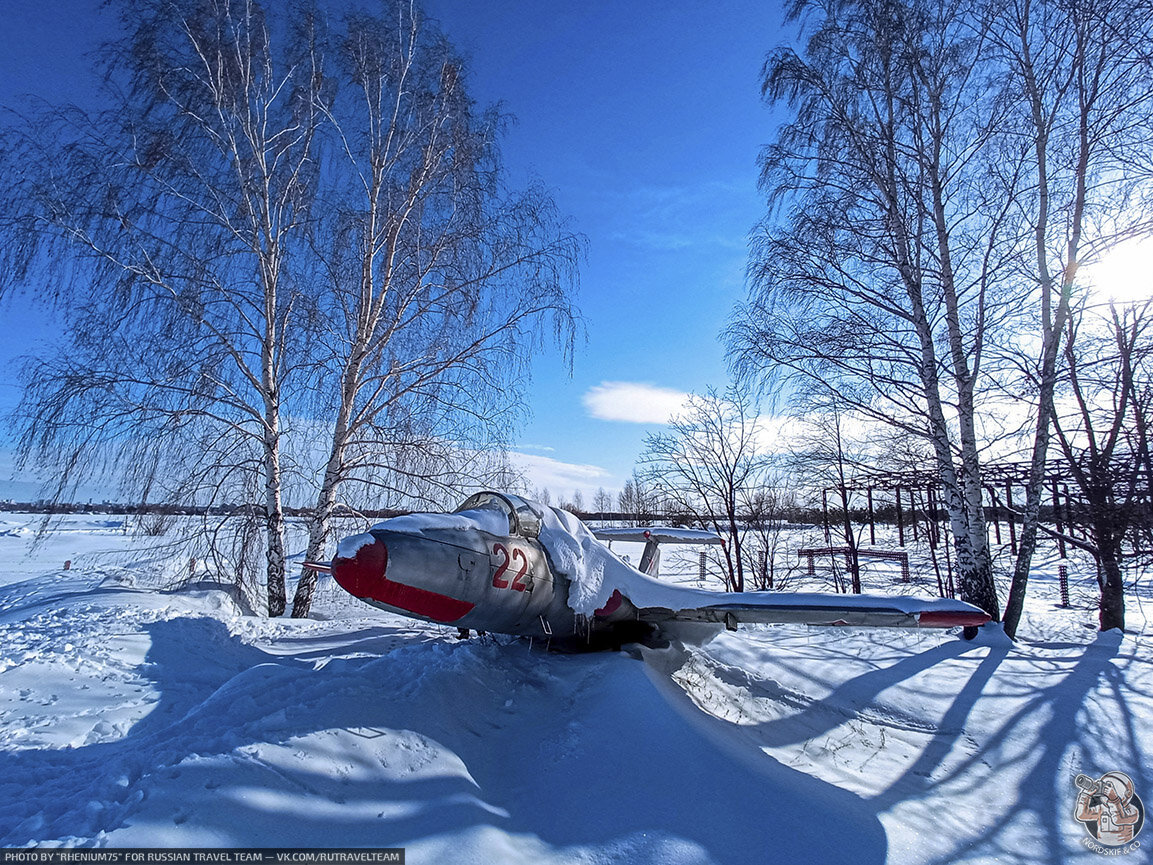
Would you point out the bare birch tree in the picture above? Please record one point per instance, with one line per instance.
(828, 458)
(1103, 431)
(876, 286)
(440, 283)
(638, 500)
(766, 511)
(169, 219)
(946, 172)
(1081, 72)
(710, 466)
(284, 223)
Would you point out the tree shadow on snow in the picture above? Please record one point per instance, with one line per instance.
(564, 756)
(1080, 721)
(817, 717)
(1051, 713)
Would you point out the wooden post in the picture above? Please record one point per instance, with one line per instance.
(1057, 520)
(950, 588)
(900, 520)
(996, 520)
(937, 570)
(931, 518)
(1012, 518)
(1070, 517)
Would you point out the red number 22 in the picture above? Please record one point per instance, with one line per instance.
(518, 583)
(498, 580)
(499, 549)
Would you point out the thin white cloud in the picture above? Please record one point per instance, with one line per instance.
(561, 478)
(669, 218)
(633, 402)
(543, 449)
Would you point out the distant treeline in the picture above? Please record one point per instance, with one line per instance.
(795, 515)
(787, 516)
(225, 510)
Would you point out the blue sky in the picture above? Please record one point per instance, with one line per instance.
(645, 121)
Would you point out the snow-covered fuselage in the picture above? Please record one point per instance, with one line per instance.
(503, 564)
(468, 578)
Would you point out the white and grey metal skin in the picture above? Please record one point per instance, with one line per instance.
(507, 583)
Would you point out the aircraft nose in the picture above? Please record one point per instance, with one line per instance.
(361, 561)
(359, 564)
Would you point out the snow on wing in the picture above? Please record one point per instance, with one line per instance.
(818, 609)
(603, 585)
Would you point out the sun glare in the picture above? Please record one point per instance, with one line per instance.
(1124, 274)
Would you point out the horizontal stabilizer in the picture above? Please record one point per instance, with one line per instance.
(660, 534)
(869, 611)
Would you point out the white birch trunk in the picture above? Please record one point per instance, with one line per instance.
(1052, 323)
(273, 505)
(274, 525)
(320, 523)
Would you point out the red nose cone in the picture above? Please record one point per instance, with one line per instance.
(364, 572)
(363, 576)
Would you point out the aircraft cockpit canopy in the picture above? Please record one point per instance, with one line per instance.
(523, 517)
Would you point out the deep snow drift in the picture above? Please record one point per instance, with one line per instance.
(133, 716)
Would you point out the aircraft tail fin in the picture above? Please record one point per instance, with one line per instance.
(652, 537)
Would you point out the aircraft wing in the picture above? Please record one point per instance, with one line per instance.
(606, 587)
(674, 603)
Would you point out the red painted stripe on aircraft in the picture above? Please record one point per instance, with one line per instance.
(952, 618)
(612, 605)
(442, 608)
(363, 576)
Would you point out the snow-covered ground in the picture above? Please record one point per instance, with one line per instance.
(133, 715)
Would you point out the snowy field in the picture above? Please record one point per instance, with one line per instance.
(135, 715)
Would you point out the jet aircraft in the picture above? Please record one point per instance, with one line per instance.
(500, 563)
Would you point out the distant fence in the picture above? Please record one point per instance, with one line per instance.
(885, 555)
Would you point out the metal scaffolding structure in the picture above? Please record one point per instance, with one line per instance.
(917, 507)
